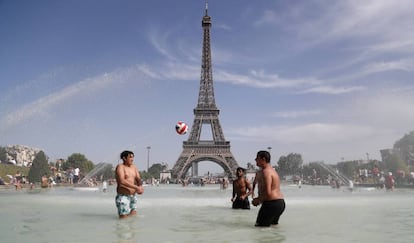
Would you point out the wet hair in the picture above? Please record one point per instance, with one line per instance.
(125, 154)
(241, 169)
(263, 154)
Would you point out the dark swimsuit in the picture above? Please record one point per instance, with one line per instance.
(270, 212)
(239, 203)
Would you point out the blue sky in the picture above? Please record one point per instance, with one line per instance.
(326, 79)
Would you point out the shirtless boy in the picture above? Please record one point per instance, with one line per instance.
(129, 185)
(241, 191)
(270, 195)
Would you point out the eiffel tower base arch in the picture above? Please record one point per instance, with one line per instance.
(220, 155)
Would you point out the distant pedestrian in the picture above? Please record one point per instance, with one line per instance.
(224, 184)
(76, 173)
(104, 186)
(389, 181)
(44, 182)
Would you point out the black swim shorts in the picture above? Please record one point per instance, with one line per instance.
(270, 212)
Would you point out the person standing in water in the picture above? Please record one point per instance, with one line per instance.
(241, 191)
(129, 185)
(270, 195)
(44, 182)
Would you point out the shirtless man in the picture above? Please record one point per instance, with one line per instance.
(240, 196)
(129, 185)
(44, 182)
(270, 195)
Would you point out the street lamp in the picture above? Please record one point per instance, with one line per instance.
(270, 151)
(148, 153)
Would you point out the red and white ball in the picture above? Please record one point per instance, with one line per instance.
(181, 128)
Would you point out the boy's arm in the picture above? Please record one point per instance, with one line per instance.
(249, 188)
(234, 191)
(138, 179)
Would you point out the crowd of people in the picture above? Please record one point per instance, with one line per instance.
(57, 177)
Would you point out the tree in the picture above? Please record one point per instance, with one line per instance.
(394, 162)
(40, 167)
(291, 164)
(3, 155)
(283, 166)
(295, 162)
(153, 172)
(313, 171)
(405, 146)
(156, 169)
(77, 160)
(348, 168)
(145, 175)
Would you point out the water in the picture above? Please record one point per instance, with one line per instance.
(171, 213)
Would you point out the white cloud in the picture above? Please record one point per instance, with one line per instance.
(268, 16)
(364, 70)
(332, 90)
(382, 19)
(42, 106)
(146, 70)
(402, 65)
(259, 79)
(223, 26)
(303, 134)
(159, 42)
(401, 46)
(296, 114)
(381, 23)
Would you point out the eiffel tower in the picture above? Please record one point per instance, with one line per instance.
(206, 112)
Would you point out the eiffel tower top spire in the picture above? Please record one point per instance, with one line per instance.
(206, 98)
(206, 6)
